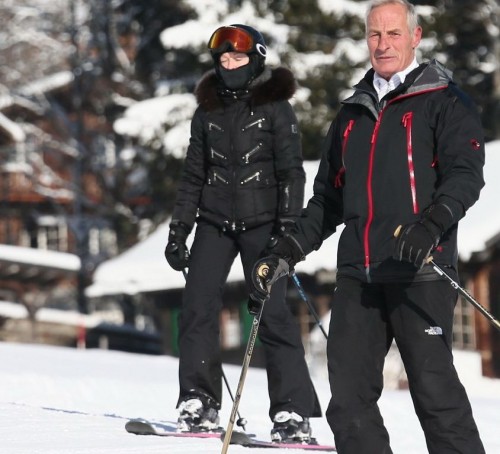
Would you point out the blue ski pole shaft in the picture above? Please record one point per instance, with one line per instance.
(302, 293)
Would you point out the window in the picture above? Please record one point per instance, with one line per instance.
(463, 331)
(52, 234)
(102, 241)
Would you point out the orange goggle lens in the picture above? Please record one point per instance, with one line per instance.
(238, 39)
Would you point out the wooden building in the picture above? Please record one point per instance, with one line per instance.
(481, 275)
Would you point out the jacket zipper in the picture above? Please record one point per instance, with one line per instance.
(246, 157)
(217, 177)
(408, 123)
(340, 174)
(214, 126)
(256, 122)
(366, 236)
(216, 154)
(366, 241)
(286, 198)
(255, 176)
(234, 164)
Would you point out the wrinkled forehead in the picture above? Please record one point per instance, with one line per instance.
(392, 16)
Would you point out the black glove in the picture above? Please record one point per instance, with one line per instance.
(284, 253)
(283, 226)
(416, 241)
(265, 273)
(176, 252)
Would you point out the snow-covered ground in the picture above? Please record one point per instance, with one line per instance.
(57, 400)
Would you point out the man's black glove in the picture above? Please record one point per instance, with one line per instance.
(416, 241)
(283, 226)
(284, 253)
(265, 273)
(176, 252)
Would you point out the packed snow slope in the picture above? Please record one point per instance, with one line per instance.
(56, 400)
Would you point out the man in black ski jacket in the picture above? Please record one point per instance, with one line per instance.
(242, 182)
(405, 154)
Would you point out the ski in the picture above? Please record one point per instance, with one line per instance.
(242, 439)
(144, 427)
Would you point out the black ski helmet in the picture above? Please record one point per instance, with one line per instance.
(257, 52)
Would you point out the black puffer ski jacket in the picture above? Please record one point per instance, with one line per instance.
(243, 167)
(384, 163)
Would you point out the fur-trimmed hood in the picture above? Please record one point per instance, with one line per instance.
(272, 85)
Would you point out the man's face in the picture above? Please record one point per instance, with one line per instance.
(390, 42)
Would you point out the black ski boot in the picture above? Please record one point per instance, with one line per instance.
(194, 417)
(289, 427)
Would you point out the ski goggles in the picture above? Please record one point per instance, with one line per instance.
(239, 40)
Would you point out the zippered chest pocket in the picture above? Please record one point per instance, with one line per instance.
(255, 123)
(216, 177)
(254, 178)
(217, 155)
(251, 154)
(214, 127)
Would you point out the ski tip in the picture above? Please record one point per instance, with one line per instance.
(139, 427)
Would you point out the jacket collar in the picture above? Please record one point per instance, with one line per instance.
(426, 76)
(271, 86)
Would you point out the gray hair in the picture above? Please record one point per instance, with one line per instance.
(411, 14)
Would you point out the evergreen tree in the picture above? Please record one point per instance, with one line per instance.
(467, 36)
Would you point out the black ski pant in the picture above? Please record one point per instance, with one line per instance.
(212, 254)
(365, 319)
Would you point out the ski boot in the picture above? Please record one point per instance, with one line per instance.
(194, 417)
(289, 427)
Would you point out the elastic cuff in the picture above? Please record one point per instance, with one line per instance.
(440, 215)
(298, 253)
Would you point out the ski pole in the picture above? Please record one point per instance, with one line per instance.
(242, 422)
(460, 289)
(302, 293)
(262, 272)
(465, 294)
(241, 382)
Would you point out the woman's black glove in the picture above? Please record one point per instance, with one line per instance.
(176, 252)
(416, 241)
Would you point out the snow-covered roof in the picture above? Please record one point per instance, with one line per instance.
(39, 257)
(69, 318)
(482, 221)
(143, 268)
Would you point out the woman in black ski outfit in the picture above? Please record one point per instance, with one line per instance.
(242, 182)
